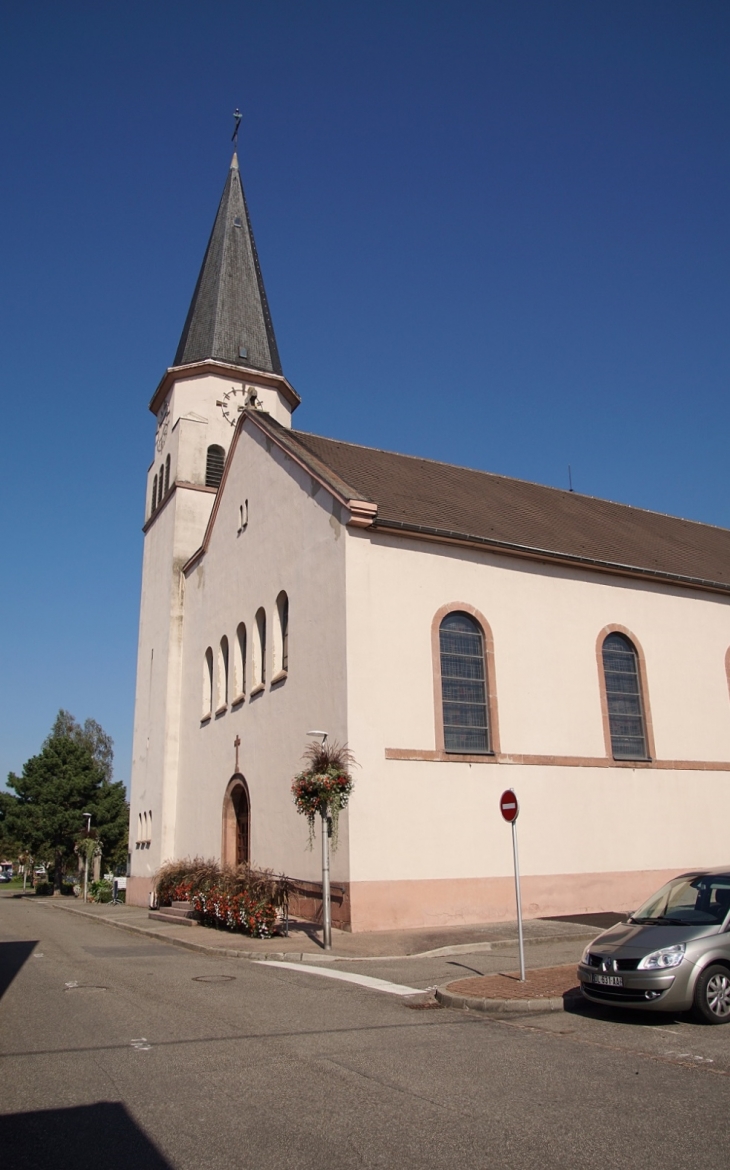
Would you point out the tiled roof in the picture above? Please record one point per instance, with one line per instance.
(229, 319)
(438, 499)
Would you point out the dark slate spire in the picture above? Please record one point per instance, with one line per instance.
(229, 319)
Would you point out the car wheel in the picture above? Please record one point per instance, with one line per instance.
(712, 996)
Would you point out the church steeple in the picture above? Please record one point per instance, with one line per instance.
(229, 319)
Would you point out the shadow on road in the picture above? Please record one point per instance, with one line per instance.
(12, 957)
(82, 1138)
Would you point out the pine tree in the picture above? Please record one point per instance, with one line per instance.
(71, 775)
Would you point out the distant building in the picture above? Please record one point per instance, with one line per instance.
(463, 632)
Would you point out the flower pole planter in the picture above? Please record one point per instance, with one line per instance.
(324, 788)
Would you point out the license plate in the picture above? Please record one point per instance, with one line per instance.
(608, 980)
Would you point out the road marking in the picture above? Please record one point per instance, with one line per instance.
(347, 977)
(141, 1045)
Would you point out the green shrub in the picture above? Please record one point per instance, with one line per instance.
(44, 889)
(67, 889)
(101, 891)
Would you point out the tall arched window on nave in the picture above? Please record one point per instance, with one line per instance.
(463, 685)
(623, 698)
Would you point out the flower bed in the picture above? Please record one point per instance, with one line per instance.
(245, 899)
(242, 911)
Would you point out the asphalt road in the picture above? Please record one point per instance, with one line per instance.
(121, 1052)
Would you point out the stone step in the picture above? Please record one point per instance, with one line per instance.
(171, 917)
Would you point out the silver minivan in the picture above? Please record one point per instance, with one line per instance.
(672, 955)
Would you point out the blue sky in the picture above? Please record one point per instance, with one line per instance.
(492, 233)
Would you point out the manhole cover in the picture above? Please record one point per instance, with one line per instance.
(213, 978)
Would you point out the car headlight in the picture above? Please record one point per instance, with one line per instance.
(586, 953)
(666, 957)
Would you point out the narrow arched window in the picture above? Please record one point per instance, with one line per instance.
(154, 494)
(208, 684)
(259, 649)
(281, 649)
(463, 685)
(239, 662)
(149, 827)
(167, 475)
(214, 461)
(160, 483)
(623, 698)
(222, 674)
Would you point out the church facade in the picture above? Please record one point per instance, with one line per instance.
(462, 632)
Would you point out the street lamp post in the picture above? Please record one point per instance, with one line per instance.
(326, 895)
(86, 855)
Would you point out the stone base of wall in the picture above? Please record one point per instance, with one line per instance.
(402, 905)
(138, 891)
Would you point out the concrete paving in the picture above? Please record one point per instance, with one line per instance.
(305, 938)
(118, 1050)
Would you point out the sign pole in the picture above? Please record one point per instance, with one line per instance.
(519, 901)
(510, 810)
(326, 899)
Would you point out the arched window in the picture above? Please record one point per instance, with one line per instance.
(222, 696)
(139, 826)
(259, 649)
(146, 837)
(239, 662)
(623, 698)
(208, 684)
(281, 644)
(149, 827)
(167, 475)
(154, 494)
(215, 459)
(463, 685)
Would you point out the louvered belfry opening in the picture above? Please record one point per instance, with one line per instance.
(214, 466)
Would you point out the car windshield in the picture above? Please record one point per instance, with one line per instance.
(701, 900)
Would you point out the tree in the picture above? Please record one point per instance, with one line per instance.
(69, 777)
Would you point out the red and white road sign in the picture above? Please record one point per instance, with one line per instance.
(508, 806)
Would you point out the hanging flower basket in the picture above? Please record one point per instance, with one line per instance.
(324, 788)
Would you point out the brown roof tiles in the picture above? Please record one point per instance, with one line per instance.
(458, 503)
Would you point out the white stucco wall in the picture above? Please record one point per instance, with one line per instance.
(423, 820)
(294, 541)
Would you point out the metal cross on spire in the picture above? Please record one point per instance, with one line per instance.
(237, 115)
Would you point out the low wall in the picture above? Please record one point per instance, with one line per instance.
(401, 905)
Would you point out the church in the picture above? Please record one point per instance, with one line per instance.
(463, 632)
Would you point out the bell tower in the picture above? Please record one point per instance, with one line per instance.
(227, 359)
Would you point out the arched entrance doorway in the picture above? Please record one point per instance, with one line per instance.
(236, 848)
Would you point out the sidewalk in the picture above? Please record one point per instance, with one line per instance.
(304, 941)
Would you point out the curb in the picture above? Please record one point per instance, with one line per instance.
(318, 956)
(507, 1006)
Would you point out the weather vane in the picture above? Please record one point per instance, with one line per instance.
(237, 115)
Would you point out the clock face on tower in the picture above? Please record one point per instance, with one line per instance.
(232, 403)
(163, 423)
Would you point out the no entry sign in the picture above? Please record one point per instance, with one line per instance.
(508, 806)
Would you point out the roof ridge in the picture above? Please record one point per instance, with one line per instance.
(514, 479)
